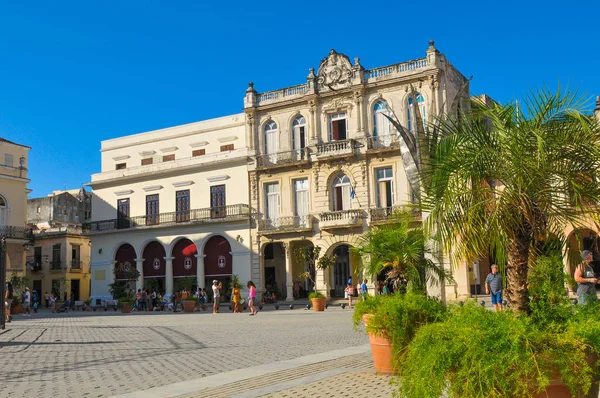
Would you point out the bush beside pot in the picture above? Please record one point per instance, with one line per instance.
(318, 301)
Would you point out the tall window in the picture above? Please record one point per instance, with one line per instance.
(123, 213)
(338, 127)
(299, 131)
(412, 117)
(217, 201)
(341, 193)
(381, 124)
(152, 215)
(271, 141)
(56, 264)
(8, 159)
(301, 200)
(272, 201)
(182, 205)
(3, 211)
(385, 187)
(75, 256)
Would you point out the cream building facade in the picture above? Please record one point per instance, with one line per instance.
(328, 163)
(161, 193)
(13, 204)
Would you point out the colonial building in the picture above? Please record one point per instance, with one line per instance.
(328, 162)
(173, 203)
(60, 260)
(13, 204)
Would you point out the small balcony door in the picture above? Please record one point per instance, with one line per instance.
(123, 213)
(217, 201)
(299, 137)
(3, 213)
(182, 206)
(272, 203)
(152, 211)
(301, 200)
(271, 141)
(385, 188)
(341, 193)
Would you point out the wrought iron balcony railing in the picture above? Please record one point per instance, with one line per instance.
(281, 159)
(285, 224)
(382, 214)
(57, 264)
(12, 232)
(75, 264)
(194, 216)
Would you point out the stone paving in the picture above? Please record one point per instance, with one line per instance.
(106, 354)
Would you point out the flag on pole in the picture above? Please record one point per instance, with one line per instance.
(352, 192)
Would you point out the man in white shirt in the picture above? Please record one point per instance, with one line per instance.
(216, 296)
(27, 302)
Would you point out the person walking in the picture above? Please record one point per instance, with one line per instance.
(47, 300)
(8, 298)
(236, 298)
(216, 296)
(349, 292)
(153, 297)
(364, 290)
(27, 302)
(586, 280)
(493, 286)
(144, 301)
(251, 297)
(138, 297)
(53, 302)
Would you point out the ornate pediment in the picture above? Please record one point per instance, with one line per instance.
(335, 72)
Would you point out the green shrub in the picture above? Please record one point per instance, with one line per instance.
(549, 303)
(315, 295)
(478, 353)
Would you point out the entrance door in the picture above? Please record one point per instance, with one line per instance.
(341, 270)
(75, 288)
(37, 286)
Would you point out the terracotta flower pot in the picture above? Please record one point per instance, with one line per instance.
(16, 309)
(318, 304)
(188, 305)
(125, 307)
(382, 350)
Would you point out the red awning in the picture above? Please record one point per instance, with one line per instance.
(189, 250)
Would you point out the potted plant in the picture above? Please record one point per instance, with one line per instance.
(19, 284)
(475, 352)
(313, 261)
(391, 322)
(124, 289)
(125, 303)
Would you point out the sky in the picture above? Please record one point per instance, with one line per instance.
(74, 73)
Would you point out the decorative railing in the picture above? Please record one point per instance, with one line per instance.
(195, 216)
(282, 94)
(342, 215)
(75, 264)
(283, 158)
(336, 148)
(383, 142)
(377, 214)
(12, 232)
(57, 264)
(389, 71)
(284, 224)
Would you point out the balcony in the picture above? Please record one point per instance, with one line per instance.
(381, 215)
(76, 264)
(285, 225)
(209, 215)
(283, 159)
(341, 219)
(56, 265)
(383, 143)
(342, 148)
(20, 233)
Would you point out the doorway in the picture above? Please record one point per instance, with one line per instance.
(342, 270)
(75, 288)
(37, 286)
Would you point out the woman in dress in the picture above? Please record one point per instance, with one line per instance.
(251, 297)
(236, 298)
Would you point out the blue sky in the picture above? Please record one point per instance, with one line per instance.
(77, 72)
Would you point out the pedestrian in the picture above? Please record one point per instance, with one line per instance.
(153, 297)
(349, 292)
(8, 298)
(296, 290)
(138, 297)
(35, 301)
(251, 297)
(47, 300)
(53, 302)
(236, 298)
(364, 290)
(27, 302)
(586, 280)
(216, 296)
(493, 285)
(204, 299)
(144, 300)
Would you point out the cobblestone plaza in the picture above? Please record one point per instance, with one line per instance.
(164, 354)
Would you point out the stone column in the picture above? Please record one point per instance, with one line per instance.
(200, 270)
(314, 119)
(289, 278)
(139, 265)
(169, 276)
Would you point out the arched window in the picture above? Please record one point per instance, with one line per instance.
(271, 140)
(412, 117)
(341, 189)
(381, 124)
(299, 133)
(3, 211)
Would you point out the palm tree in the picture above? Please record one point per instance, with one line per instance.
(502, 179)
(399, 249)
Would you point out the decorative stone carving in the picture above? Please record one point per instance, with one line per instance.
(338, 104)
(253, 188)
(335, 72)
(316, 171)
